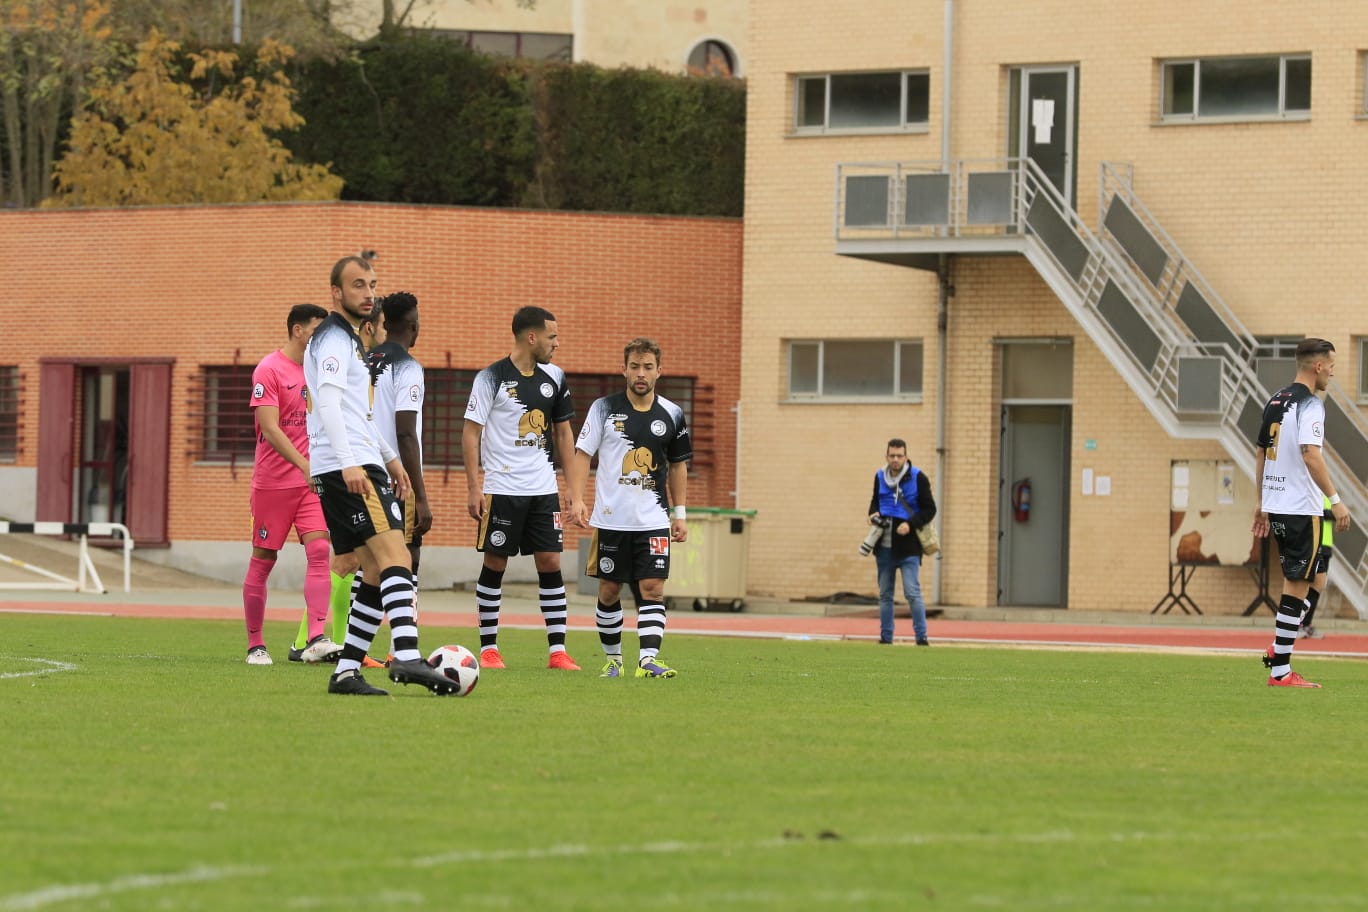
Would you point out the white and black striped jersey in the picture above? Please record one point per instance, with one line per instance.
(1292, 418)
(335, 357)
(635, 451)
(517, 410)
(398, 379)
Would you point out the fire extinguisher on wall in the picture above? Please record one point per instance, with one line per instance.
(1021, 500)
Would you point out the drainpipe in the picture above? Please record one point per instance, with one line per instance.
(946, 290)
(948, 56)
(942, 344)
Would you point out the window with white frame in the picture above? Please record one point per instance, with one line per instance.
(845, 369)
(1236, 88)
(1363, 369)
(862, 102)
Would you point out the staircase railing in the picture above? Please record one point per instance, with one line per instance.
(1183, 295)
(1178, 346)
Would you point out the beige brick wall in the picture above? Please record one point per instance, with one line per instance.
(1269, 212)
(610, 33)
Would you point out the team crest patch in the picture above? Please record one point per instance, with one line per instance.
(261, 533)
(497, 538)
(605, 565)
(548, 390)
(396, 511)
(658, 428)
(258, 391)
(660, 544)
(556, 521)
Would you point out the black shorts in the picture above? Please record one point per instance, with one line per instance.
(515, 524)
(625, 557)
(1298, 539)
(354, 519)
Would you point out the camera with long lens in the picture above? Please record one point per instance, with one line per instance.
(876, 531)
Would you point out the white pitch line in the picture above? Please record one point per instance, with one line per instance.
(541, 853)
(53, 667)
(49, 896)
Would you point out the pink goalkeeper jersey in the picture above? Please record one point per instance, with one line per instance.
(278, 381)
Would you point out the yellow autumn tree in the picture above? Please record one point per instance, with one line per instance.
(152, 139)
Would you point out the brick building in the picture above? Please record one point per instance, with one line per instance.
(128, 398)
(926, 164)
(702, 36)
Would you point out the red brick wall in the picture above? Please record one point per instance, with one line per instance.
(204, 284)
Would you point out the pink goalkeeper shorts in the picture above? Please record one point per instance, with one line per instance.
(275, 510)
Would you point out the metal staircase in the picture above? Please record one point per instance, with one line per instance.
(1177, 345)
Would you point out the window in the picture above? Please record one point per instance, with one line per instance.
(528, 45)
(445, 394)
(448, 391)
(1237, 88)
(846, 369)
(850, 102)
(1363, 369)
(229, 433)
(9, 413)
(712, 58)
(588, 387)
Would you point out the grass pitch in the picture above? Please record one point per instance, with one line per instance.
(146, 767)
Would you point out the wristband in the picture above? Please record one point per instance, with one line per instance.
(680, 512)
(1334, 500)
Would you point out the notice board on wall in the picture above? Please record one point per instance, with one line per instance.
(1211, 512)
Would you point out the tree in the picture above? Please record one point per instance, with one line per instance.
(153, 139)
(47, 48)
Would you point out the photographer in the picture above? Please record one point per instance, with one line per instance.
(901, 504)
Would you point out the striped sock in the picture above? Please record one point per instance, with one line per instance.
(363, 621)
(551, 598)
(1285, 636)
(396, 599)
(650, 629)
(488, 601)
(608, 619)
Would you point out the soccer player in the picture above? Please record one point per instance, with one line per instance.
(281, 493)
(342, 569)
(399, 393)
(1293, 482)
(643, 448)
(349, 461)
(517, 420)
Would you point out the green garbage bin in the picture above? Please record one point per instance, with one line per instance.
(709, 569)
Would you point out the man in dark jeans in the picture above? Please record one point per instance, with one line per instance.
(902, 499)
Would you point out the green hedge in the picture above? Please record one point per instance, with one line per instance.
(427, 121)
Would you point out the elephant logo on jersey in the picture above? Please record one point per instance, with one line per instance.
(533, 422)
(637, 467)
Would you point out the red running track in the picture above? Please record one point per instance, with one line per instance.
(947, 632)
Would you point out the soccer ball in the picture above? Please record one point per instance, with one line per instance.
(459, 665)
